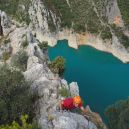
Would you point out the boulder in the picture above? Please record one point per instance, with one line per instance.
(74, 89)
(5, 22)
(65, 122)
(32, 61)
(69, 120)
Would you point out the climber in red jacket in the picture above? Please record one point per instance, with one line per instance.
(72, 103)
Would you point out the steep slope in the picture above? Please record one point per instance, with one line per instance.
(102, 24)
(95, 23)
(46, 83)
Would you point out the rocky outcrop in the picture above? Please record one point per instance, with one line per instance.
(47, 85)
(113, 13)
(4, 19)
(1, 28)
(40, 15)
(74, 40)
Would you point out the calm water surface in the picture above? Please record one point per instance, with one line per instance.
(102, 78)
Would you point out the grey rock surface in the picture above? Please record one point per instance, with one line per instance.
(5, 21)
(44, 82)
(74, 89)
(112, 11)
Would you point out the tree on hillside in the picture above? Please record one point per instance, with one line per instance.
(20, 60)
(118, 115)
(15, 96)
(57, 66)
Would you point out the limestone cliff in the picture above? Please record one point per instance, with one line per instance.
(89, 22)
(95, 23)
(47, 85)
(43, 80)
(102, 24)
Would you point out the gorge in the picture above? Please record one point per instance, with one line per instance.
(102, 78)
(76, 30)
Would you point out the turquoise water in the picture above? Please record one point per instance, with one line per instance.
(102, 78)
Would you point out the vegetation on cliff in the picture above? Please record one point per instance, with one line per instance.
(43, 45)
(15, 96)
(79, 15)
(118, 31)
(18, 9)
(124, 8)
(57, 66)
(20, 60)
(23, 124)
(118, 115)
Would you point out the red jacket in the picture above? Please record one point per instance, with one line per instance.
(69, 105)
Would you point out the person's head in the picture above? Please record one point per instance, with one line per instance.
(77, 100)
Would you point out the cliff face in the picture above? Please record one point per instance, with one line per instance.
(98, 24)
(102, 24)
(89, 22)
(47, 85)
(44, 82)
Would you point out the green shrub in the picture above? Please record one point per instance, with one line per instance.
(14, 8)
(64, 92)
(79, 28)
(50, 118)
(106, 34)
(6, 56)
(25, 42)
(80, 15)
(6, 41)
(15, 96)
(43, 45)
(24, 124)
(58, 65)
(20, 60)
(61, 8)
(124, 8)
(118, 115)
(121, 36)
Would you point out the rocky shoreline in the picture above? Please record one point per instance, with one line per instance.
(43, 32)
(47, 85)
(75, 40)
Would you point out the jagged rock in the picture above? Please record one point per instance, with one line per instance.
(32, 61)
(64, 83)
(31, 50)
(47, 86)
(16, 37)
(43, 80)
(35, 72)
(65, 122)
(5, 22)
(39, 16)
(113, 13)
(30, 37)
(95, 118)
(69, 120)
(74, 90)
(1, 28)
